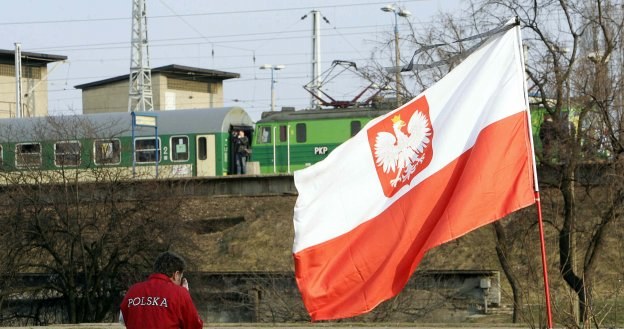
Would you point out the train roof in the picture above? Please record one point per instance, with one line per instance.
(107, 125)
(291, 115)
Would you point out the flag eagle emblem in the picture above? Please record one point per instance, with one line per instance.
(401, 145)
(401, 152)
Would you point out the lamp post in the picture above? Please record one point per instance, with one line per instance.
(272, 68)
(403, 13)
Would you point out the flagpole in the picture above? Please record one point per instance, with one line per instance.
(536, 187)
(544, 267)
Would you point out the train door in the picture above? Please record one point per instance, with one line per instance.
(205, 155)
(282, 156)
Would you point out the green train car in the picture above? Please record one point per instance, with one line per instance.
(190, 143)
(289, 140)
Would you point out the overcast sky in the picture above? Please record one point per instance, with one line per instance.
(234, 36)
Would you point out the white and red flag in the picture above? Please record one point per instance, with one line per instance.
(455, 158)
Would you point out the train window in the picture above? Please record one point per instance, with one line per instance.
(301, 132)
(179, 148)
(28, 155)
(264, 135)
(67, 154)
(355, 127)
(145, 150)
(202, 152)
(107, 151)
(283, 133)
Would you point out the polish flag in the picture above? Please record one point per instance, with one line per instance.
(455, 158)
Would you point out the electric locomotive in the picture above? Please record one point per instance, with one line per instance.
(289, 140)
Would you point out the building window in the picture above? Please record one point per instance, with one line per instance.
(301, 132)
(193, 86)
(28, 72)
(264, 135)
(107, 151)
(356, 126)
(283, 133)
(179, 148)
(67, 154)
(28, 155)
(145, 150)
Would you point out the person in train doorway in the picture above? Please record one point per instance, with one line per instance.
(241, 144)
(163, 301)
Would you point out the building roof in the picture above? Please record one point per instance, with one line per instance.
(29, 59)
(173, 71)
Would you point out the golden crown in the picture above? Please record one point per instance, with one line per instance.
(396, 118)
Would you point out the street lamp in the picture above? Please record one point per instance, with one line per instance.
(403, 13)
(272, 68)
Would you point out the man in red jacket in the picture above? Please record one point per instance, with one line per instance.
(163, 301)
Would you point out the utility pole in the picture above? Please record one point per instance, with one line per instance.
(140, 94)
(18, 80)
(316, 57)
(397, 11)
(397, 61)
(273, 68)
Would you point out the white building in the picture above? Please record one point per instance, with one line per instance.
(173, 87)
(34, 83)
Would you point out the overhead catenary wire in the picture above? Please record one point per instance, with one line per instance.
(213, 40)
(254, 11)
(229, 38)
(181, 17)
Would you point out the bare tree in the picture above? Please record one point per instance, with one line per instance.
(575, 85)
(85, 241)
(574, 63)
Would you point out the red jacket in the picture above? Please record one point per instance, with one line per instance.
(159, 303)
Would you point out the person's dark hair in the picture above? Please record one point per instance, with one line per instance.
(168, 263)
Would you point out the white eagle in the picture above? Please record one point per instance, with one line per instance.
(402, 152)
